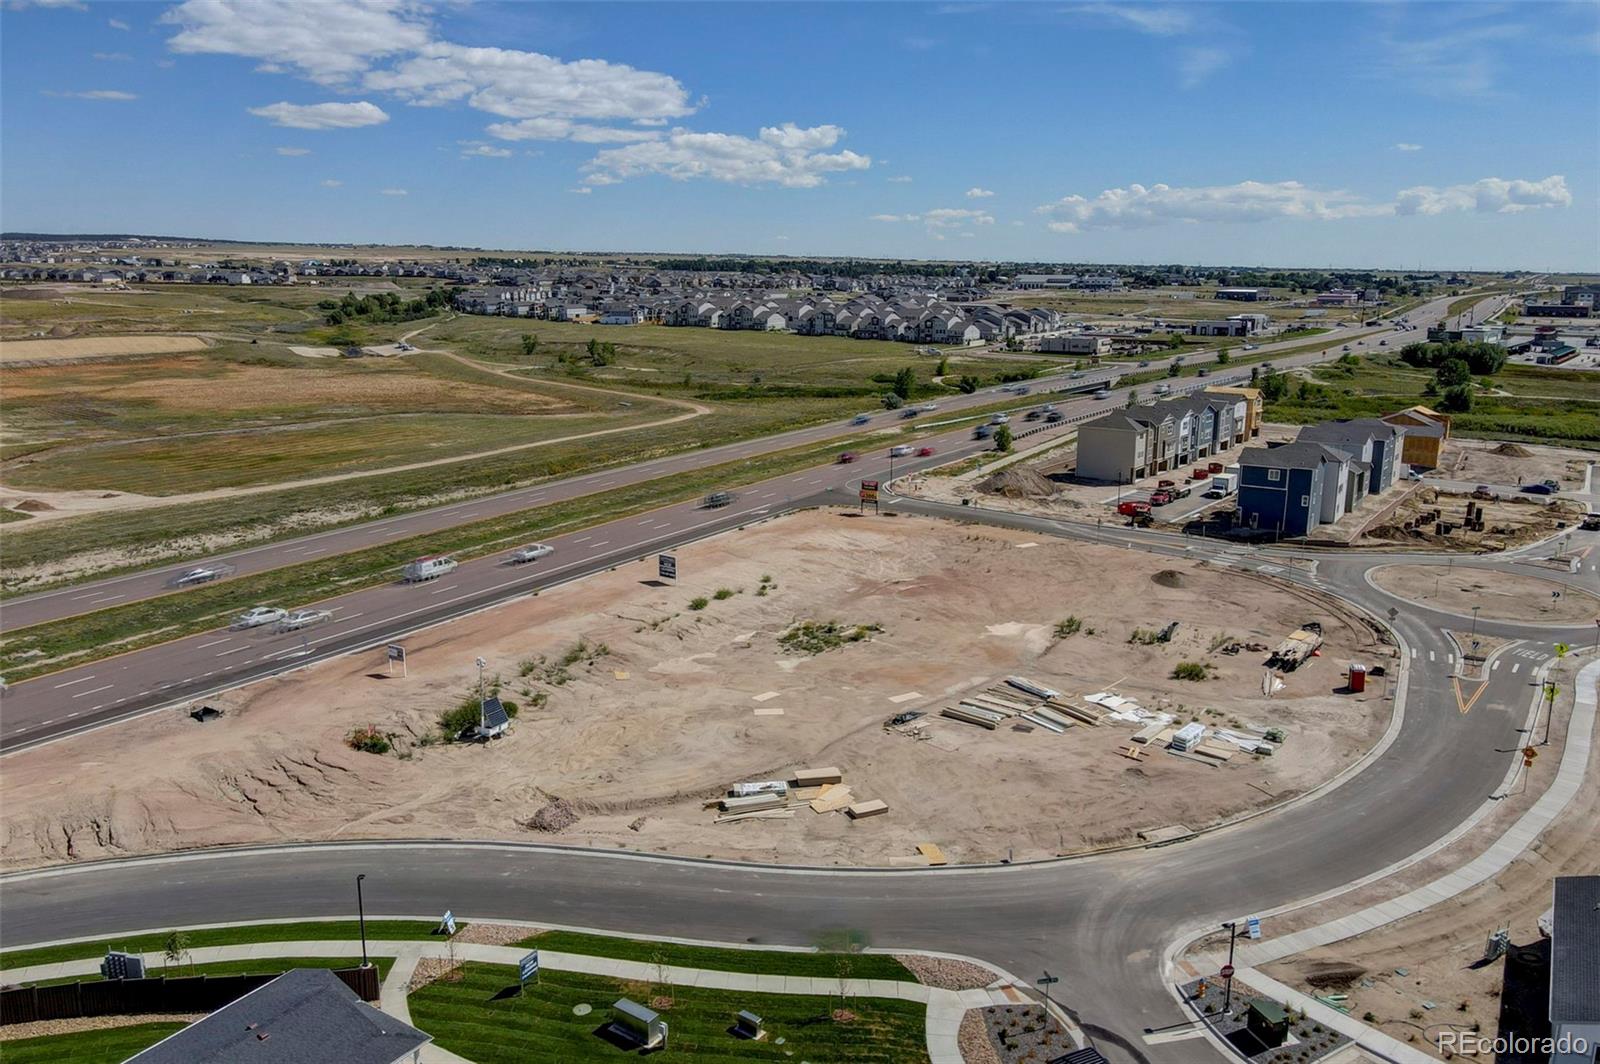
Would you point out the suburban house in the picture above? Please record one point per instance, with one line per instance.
(1575, 970)
(1248, 423)
(305, 1016)
(1282, 489)
(1371, 441)
(1426, 432)
(1114, 448)
(1123, 446)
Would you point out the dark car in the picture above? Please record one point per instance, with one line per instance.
(923, 452)
(1538, 489)
(847, 457)
(718, 499)
(1591, 523)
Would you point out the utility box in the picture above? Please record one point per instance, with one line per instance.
(748, 1025)
(642, 1025)
(1358, 678)
(1268, 1022)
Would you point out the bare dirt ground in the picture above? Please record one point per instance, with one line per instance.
(1502, 596)
(1495, 462)
(95, 347)
(668, 705)
(1441, 949)
(1509, 522)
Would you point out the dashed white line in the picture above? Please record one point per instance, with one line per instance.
(213, 643)
(235, 650)
(97, 690)
(69, 683)
(442, 590)
(1516, 665)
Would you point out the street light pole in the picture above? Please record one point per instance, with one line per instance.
(1474, 634)
(1227, 993)
(361, 915)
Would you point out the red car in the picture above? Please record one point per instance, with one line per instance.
(847, 457)
(923, 452)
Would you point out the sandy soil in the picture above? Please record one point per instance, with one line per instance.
(1502, 596)
(1509, 521)
(1440, 948)
(683, 703)
(1478, 460)
(95, 347)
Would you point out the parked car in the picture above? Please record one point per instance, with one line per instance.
(303, 619)
(1591, 523)
(923, 452)
(900, 450)
(1166, 483)
(1160, 497)
(717, 500)
(1412, 474)
(202, 575)
(847, 457)
(1482, 491)
(258, 616)
(531, 553)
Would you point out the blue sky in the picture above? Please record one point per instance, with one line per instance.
(1384, 134)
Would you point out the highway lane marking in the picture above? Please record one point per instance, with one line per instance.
(235, 650)
(213, 643)
(69, 683)
(1515, 666)
(602, 543)
(1495, 666)
(442, 590)
(95, 691)
(1430, 655)
(112, 598)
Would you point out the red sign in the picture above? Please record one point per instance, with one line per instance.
(869, 491)
(1227, 971)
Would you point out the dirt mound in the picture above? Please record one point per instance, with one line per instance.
(1019, 482)
(558, 815)
(33, 506)
(1512, 450)
(1329, 975)
(1169, 578)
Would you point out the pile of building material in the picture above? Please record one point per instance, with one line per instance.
(1297, 649)
(1187, 737)
(1124, 709)
(817, 777)
(832, 798)
(983, 718)
(862, 810)
(1022, 683)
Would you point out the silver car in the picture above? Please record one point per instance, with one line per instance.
(258, 616)
(302, 619)
(531, 553)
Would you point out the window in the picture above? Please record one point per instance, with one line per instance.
(1305, 500)
(1274, 475)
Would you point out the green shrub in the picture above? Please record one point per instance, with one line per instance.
(1069, 627)
(700, 602)
(1191, 670)
(368, 740)
(723, 593)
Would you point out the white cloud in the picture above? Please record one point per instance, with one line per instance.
(1145, 18)
(1248, 201)
(582, 190)
(516, 84)
(322, 115)
(783, 155)
(393, 192)
(118, 24)
(782, 238)
(1491, 195)
(113, 57)
(93, 94)
(1449, 61)
(1195, 65)
(73, 5)
(1405, 146)
(478, 150)
(942, 219)
(294, 151)
(900, 179)
(331, 182)
(565, 129)
(330, 43)
(979, 193)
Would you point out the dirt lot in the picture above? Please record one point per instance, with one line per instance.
(1441, 949)
(99, 346)
(1494, 462)
(666, 705)
(1509, 521)
(1503, 596)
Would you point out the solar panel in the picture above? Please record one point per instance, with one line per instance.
(494, 714)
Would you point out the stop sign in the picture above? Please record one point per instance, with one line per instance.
(1227, 971)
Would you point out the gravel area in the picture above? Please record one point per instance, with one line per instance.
(494, 934)
(47, 1028)
(1018, 1033)
(947, 973)
(432, 969)
(973, 1039)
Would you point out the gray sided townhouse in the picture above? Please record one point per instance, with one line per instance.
(1293, 488)
(1123, 446)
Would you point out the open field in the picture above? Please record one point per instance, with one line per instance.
(97, 347)
(101, 1045)
(84, 311)
(468, 1014)
(1510, 521)
(1501, 596)
(638, 705)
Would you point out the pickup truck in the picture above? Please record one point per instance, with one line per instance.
(1132, 507)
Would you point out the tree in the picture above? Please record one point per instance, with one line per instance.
(943, 366)
(1452, 373)
(1255, 374)
(891, 401)
(967, 384)
(904, 382)
(530, 343)
(176, 948)
(1457, 400)
(1223, 358)
(1274, 386)
(1173, 369)
(1133, 398)
(1002, 439)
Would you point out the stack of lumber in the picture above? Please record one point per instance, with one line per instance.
(1215, 751)
(1002, 698)
(752, 803)
(1046, 723)
(1056, 715)
(758, 814)
(862, 810)
(932, 852)
(817, 777)
(1157, 734)
(1084, 714)
(983, 718)
(1022, 683)
(834, 797)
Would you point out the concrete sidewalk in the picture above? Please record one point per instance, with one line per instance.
(942, 1023)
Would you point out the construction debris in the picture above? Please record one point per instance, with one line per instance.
(1300, 646)
(862, 810)
(1037, 690)
(745, 790)
(932, 852)
(833, 798)
(752, 802)
(1188, 737)
(1047, 725)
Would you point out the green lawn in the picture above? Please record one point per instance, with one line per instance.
(109, 1046)
(760, 962)
(472, 1018)
(258, 966)
(313, 930)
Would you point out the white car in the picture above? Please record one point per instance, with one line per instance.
(260, 615)
(201, 575)
(302, 619)
(1000, 419)
(900, 450)
(531, 553)
(928, 408)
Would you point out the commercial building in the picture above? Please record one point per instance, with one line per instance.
(1426, 433)
(1244, 295)
(1079, 344)
(1575, 970)
(1531, 309)
(1338, 298)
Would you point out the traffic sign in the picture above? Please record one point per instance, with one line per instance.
(869, 491)
(667, 566)
(397, 652)
(1227, 971)
(447, 923)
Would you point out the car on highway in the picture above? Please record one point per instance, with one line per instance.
(531, 553)
(847, 457)
(428, 568)
(1075, 374)
(299, 619)
(1346, 347)
(1145, 363)
(1000, 419)
(1032, 415)
(1249, 347)
(929, 408)
(1483, 491)
(202, 575)
(861, 419)
(257, 616)
(982, 432)
(909, 412)
(1054, 416)
(717, 499)
(923, 452)
(900, 450)
(1383, 343)
(1103, 393)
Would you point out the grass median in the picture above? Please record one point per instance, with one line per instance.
(721, 958)
(201, 937)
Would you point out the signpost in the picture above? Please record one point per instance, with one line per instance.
(397, 653)
(1227, 969)
(1047, 982)
(527, 968)
(667, 566)
(447, 923)
(869, 493)
(1253, 926)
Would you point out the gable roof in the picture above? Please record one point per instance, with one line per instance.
(1290, 456)
(305, 1016)
(1575, 951)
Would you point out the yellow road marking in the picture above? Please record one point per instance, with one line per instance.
(1465, 704)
